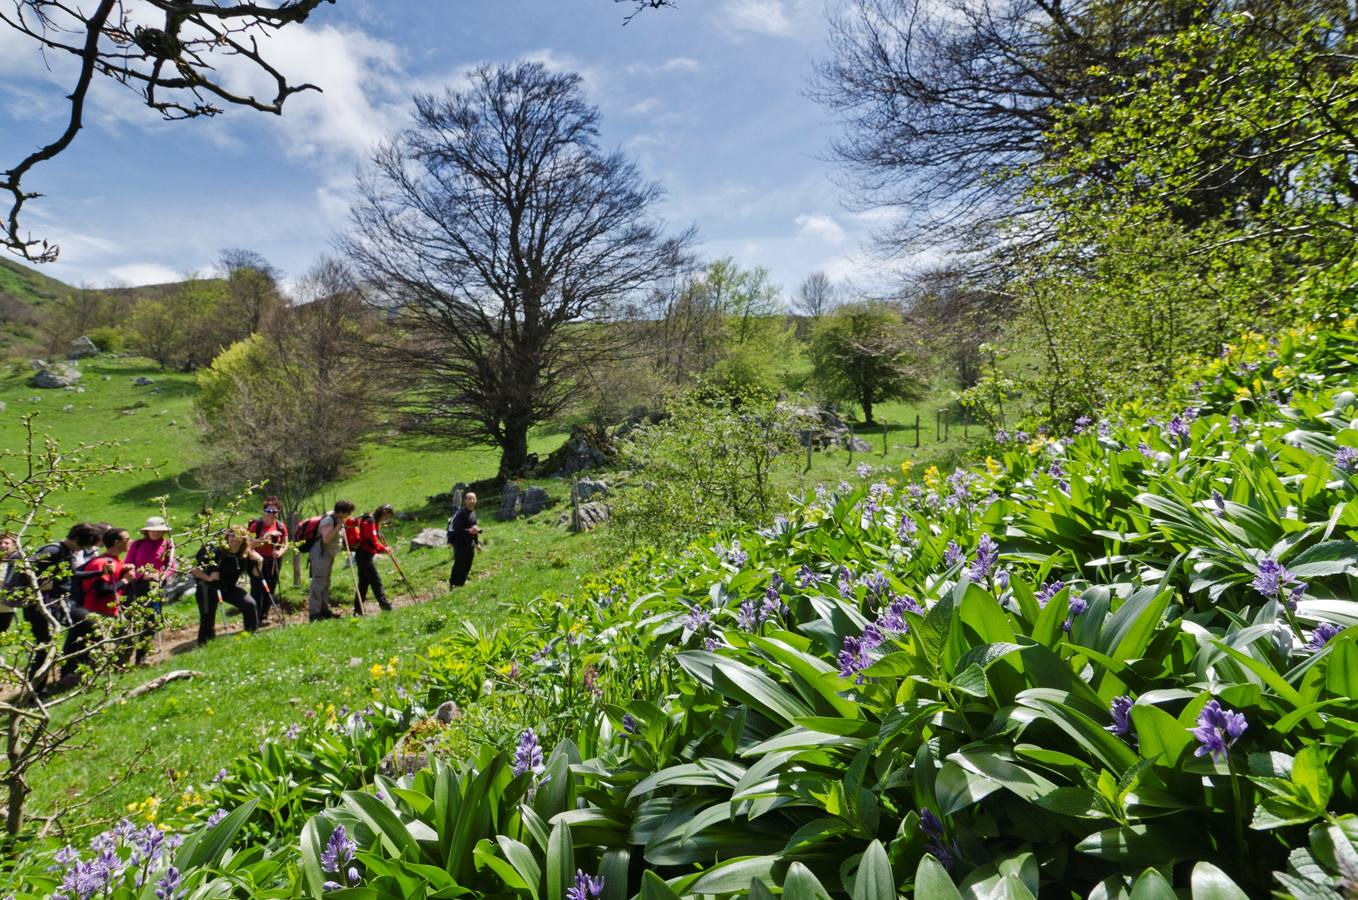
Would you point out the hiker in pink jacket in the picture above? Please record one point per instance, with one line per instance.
(151, 560)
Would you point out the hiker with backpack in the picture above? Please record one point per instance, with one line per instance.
(464, 536)
(366, 541)
(218, 571)
(270, 536)
(322, 538)
(46, 587)
(151, 560)
(102, 583)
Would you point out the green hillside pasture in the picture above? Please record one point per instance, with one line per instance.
(254, 687)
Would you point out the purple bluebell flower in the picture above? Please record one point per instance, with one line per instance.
(864, 470)
(1105, 429)
(845, 487)
(586, 887)
(1235, 423)
(629, 724)
(1322, 635)
(219, 777)
(216, 817)
(1048, 591)
(1077, 607)
(773, 606)
(1001, 436)
(846, 583)
(1145, 450)
(167, 888)
(876, 583)
(987, 554)
(1218, 730)
(1081, 423)
(1021, 437)
(806, 578)
(736, 556)
(339, 850)
(870, 508)
(930, 823)
(872, 637)
(528, 755)
(747, 617)
(906, 528)
(953, 554)
(1177, 431)
(892, 617)
(1272, 579)
(1002, 579)
(853, 659)
(293, 732)
(710, 644)
(1055, 470)
(698, 619)
(1347, 459)
(1121, 713)
(1218, 504)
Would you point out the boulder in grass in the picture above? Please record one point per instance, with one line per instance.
(587, 488)
(142, 381)
(535, 500)
(81, 348)
(591, 516)
(57, 376)
(510, 502)
(429, 537)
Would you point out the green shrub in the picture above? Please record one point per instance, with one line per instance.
(108, 339)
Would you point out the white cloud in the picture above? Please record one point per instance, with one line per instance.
(362, 96)
(138, 274)
(670, 66)
(758, 16)
(649, 105)
(820, 227)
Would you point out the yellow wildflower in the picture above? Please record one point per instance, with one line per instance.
(931, 476)
(377, 671)
(907, 466)
(993, 466)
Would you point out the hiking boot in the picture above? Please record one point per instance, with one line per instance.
(385, 607)
(325, 614)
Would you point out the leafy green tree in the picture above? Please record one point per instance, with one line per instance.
(707, 466)
(861, 353)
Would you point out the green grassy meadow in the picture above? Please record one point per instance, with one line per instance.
(254, 687)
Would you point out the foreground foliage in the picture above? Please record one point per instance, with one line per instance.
(1117, 664)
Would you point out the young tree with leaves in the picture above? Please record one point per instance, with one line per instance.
(861, 353)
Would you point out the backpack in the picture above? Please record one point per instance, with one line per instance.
(308, 531)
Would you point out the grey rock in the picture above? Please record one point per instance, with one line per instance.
(142, 381)
(587, 488)
(535, 500)
(447, 712)
(509, 502)
(68, 408)
(429, 537)
(591, 516)
(81, 348)
(179, 586)
(36, 364)
(857, 445)
(57, 376)
(2, 406)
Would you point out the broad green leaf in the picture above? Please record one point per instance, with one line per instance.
(1210, 883)
(801, 884)
(874, 879)
(560, 862)
(1151, 885)
(932, 881)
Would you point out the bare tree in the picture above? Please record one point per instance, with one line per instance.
(816, 295)
(499, 235)
(959, 314)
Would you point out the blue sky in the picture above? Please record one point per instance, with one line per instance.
(708, 97)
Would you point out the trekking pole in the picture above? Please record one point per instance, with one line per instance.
(344, 542)
(399, 571)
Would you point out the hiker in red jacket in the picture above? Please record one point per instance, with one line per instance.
(270, 541)
(100, 583)
(366, 541)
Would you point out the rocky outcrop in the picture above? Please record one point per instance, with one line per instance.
(822, 429)
(588, 488)
(57, 376)
(535, 500)
(587, 517)
(81, 348)
(429, 537)
(587, 448)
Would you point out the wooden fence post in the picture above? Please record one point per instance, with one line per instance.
(884, 439)
(947, 418)
(916, 431)
(575, 505)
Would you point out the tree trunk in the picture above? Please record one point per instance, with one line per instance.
(866, 403)
(514, 450)
(16, 787)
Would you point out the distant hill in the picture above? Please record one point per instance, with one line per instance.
(28, 286)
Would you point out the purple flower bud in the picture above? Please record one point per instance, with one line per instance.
(930, 823)
(1121, 713)
(853, 659)
(1081, 423)
(1347, 459)
(528, 755)
(629, 724)
(987, 554)
(953, 554)
(1218, 730)
(1048, 591)
(586, 887)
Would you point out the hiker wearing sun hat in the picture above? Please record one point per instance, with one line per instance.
(150, 558)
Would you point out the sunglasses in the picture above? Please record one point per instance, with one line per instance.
(271, 509)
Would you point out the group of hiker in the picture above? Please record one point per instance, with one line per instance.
(99, 570)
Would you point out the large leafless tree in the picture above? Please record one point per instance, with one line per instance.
(501, 237)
